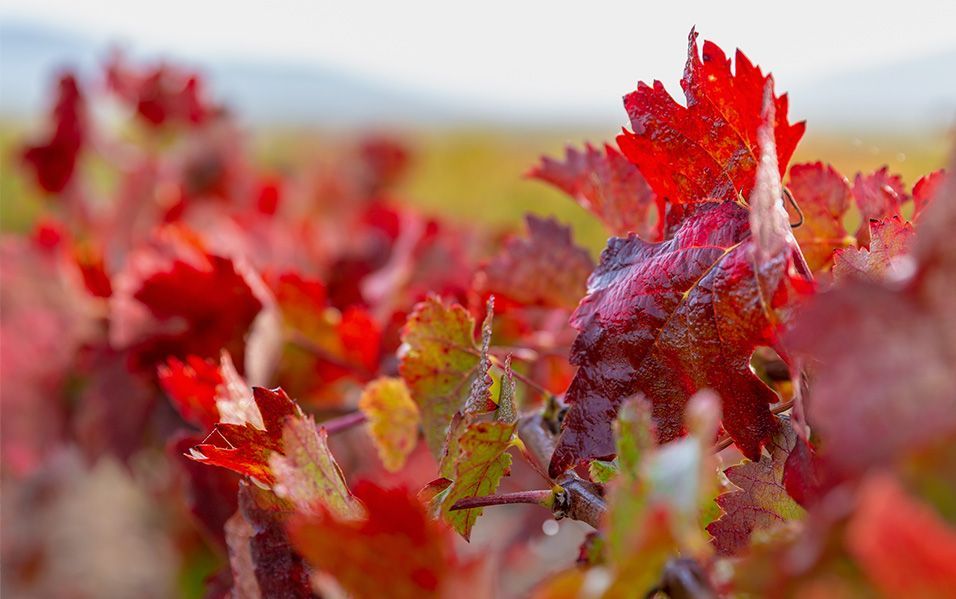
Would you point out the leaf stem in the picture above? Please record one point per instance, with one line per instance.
(544, 498)
(343, 423)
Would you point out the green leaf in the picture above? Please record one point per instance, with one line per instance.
(483, 459)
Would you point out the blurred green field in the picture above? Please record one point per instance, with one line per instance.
(477, 175)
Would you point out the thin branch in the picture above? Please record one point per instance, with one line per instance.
(343, 423)
(544, 498)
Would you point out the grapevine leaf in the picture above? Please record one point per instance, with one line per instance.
(708, 149)
(191, 386)
(397, 551)
(668, 319)
(440, 363)
(393, 420)
(901, 544)
(603, 472)
(890, 240)
(609, 186)
(824, 197)
(878, 195)
(759, 501)
(892, 343)
(195, 303)
(482, 460)
(926, 189)
(546, 269)
(249, 447)
(306, 473)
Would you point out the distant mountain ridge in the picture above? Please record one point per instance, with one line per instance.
(913, 94)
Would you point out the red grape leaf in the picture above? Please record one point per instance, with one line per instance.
(393, 420)
(926, 189)
(249, 445)
(441, 363)
(261, 557)
(878, 195)
(904, 548)
(667, 320)
(191, 386)
(397, 551)
(198, 303)
(709, 149)
(890, 240)
(671, 318)
(54, 159)
(546, 269)
(760, 500)
(824, 197)
(609, 186)
(892, 344)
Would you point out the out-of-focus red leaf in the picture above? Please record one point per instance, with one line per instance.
(210, 493)
(54, 159)
(708, 149)
(397, 551)
(824, 196)
(926, 189)
(890, 241)
(878, 195)
(546, 269)
(191, 385)
(904, 548)
(195, 303)
(609, 186)
(160, 95)
(891, 345)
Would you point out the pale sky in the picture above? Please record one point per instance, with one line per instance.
(569, 54)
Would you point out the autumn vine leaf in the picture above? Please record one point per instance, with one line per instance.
(249, 445)
(441, 364)
(708, 149)
(545, 269)
(668, 319)
(824, 197)
(890, 241)
(893, 343)
(604, 182)
(281, 449)
(393, 420)
(760, 500)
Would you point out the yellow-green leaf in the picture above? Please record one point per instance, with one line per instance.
(306, 472)
(393, 420)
